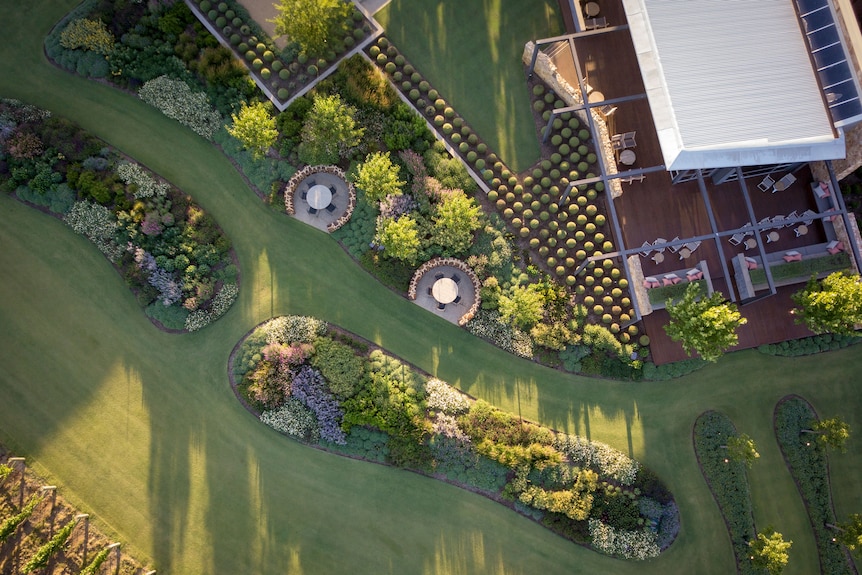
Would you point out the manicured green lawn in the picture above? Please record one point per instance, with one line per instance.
(141, 428)
(471, 53)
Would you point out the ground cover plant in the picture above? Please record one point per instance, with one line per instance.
(807, 461)
(728, 483)
(172, 255)
(326, 388)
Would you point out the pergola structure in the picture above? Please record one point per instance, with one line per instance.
(825, 61)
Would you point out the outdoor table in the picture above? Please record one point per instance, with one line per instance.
(684, 253)
(596, 96)
(627, 157)
(772, 236)
(319, 197)
(750, 243)
(658, 258)
(802, 230)
(445, 290)
(592, 9)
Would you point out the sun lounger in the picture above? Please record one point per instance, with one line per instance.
(676, 248)
(766, 184)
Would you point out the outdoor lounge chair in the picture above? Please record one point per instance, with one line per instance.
(647, 249)
(791, 216)
(811, 214)
(785, 182)
(766, 184)
(676, 248)
(658, 244)
(693, 245)
(736, 239)
(629, 140)
(631, 179)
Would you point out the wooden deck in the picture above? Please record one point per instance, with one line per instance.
(654, 208)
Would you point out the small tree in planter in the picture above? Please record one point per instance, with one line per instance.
(707, 326)
(833, 305)
(310, 23)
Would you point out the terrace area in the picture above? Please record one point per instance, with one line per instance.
(717, 210)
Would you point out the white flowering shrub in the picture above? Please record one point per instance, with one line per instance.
(98, 224)
(627, 544)
(442, 397)
(293, 329)
(447, 426)
(177, 101)
(605, 458)
(146, 186)
(221, 303)
(294, 419)
(488, 325)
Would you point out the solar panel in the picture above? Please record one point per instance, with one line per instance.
(836, 74)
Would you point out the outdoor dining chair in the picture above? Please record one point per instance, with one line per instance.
(766, 184)
(333, 190)
(439, 276)
(456, 278)
(304, 194)
(312, 211)
(430, 291)
(311, 183)
(330, 208)
(457, 299)
(441, 306)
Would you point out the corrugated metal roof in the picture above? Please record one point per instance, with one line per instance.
(730, 81)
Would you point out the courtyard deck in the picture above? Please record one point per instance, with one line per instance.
(655, 208)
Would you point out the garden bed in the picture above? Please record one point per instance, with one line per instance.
(808, 464)
(728, 483)
(333, 391)
(172, 255)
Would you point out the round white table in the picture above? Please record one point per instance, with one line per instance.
(445, 290)
(658, 257)
(595, 96)
(592, 9)
(319, 197)
(627, 157)
(684, 253)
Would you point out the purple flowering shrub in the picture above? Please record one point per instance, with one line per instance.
(170, 290)
(393, 206)
(310, 388)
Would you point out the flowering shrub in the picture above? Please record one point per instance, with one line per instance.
(310, 388)
(293, 329)
(294, 419)
(146, 186)
(177, 101)
(600, 456)
(488, 325)
(220, 304)
(98, 224)
(393, 205)
(169, 289)
(627, 544)
(88, 34)
(442, 397)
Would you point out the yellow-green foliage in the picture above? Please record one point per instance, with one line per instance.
(576, 502)
(87, 34)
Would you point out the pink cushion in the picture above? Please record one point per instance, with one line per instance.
(667, 281)
(647, 284)
(751, 265)
(793, 257)
(838, 247)
(676, 280)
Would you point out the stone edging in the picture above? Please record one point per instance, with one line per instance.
(294, 181)
(456, 263)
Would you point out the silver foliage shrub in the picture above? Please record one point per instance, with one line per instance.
(442, 397)
(293, 329)
(177, 101)
(147, 187)
(606, 459)
(98, 224)
(294, 419)
(627, 544)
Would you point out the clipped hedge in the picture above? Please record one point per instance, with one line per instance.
(809, 345)
(660, 295)
(803, 269)
(807, 462)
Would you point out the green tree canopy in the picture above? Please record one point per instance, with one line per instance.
(707, 327)
(377, 176)
(832, 305)
(522, 307)
(329, 131)
(400, 238)
(255, 128)
(769, 551)
(832, 432)
(850, 533)
(742, 448)
(456, 218)
(312, 23)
